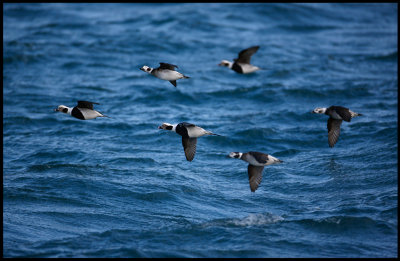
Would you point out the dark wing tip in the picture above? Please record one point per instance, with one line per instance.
(86, 104)
(173, 83)
(168, 66)
(245, 55)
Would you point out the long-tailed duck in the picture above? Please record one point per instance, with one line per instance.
(165, 72)
(336, 115)
(242, 63)
(257, 161)
(189, 133)
(83, 111)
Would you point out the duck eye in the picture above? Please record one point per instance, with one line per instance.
(65, 110)
(148, 69)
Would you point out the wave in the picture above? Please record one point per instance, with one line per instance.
(155, 95)
(233, 91)
(256, 133)
(336, 224)
(26, 58)
(132, 160)
(390, 56)
(333, 224)
(92, 87)
(259, 219)
(55, 166)
(307, 28)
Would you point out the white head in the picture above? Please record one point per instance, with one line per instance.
(319, 110)
(63, 108)
(147, 69)
(166, 126)
(226, 63)
(236, 155)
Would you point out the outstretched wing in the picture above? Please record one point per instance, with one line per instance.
(333, 131)
(86, 104)
(167, 66)
(255, 176)
(245, 55)
(189, 146)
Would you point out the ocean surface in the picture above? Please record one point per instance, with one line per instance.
(120, 187)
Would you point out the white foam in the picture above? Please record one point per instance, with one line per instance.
(257, 219)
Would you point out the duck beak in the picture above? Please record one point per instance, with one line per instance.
(141, 69)
(56, 109)
(159, 127)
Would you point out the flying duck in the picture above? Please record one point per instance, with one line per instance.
(83, 111)
(165, 72)
(242, 63)
(189, 133)
(257, 161)
(336, 115)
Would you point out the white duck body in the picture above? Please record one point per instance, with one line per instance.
(248, 157)
(196, 131)
(90, 114)
(248, 68)
(168, 75)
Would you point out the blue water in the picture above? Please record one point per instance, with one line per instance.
(120, 187)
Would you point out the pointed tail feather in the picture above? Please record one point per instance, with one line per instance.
(210, 133)
(355, 114)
